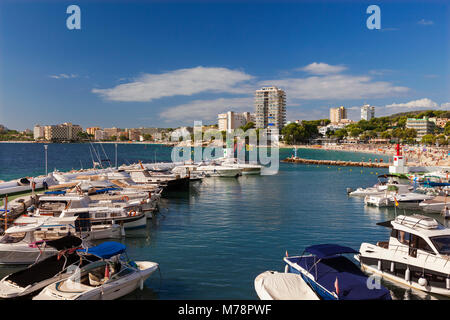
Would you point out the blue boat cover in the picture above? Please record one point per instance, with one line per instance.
(106, 250)
(328, 250)
(55, 192)
(351, 281)
(105, 190)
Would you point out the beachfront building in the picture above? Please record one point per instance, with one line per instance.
(422, 126)
(38, 132)
(270, 109)
(338, 114)
(233, 120)
(330, 127)
(62, 132)
(91, 130)
(367, 112)
(100, 135)
(133, 134)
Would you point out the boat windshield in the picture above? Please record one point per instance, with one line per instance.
(442, 244)
(13, 238)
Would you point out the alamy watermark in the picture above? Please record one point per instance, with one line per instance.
(250, 146)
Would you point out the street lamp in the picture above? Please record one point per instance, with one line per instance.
(45, 147)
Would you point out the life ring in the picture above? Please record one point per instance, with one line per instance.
(132, 213)
(125, 198)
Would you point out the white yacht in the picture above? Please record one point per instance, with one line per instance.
(106, 279)
(417, 254)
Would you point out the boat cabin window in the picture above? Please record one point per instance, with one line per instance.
(13, 238)
(442, 244)
(419, 243)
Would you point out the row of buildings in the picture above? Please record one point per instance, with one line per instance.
(60, 132)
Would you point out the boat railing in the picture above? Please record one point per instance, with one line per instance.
(419, 254)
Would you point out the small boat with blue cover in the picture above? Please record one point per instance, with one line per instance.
(333, 276)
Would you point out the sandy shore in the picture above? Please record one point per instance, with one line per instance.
(415, 156)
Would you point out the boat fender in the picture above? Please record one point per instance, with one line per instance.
(286, 269)
(423, 281)
(392, 266)
(141, 284)
(447, 283)
(407, 275)
(379, 265)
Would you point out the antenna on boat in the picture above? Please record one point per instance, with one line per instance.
(106, 156)
(116, 154)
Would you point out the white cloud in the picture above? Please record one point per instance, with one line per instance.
(207, 109)
(415, 104)
(345, 87)
(321, 68)
(63, 76)
(185, 82)
(425, 22)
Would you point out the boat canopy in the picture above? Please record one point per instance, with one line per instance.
(106, 249)
(64, 243)
(328, 250)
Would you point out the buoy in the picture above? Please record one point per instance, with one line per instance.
(407, 274)
(392, 266)
(379, 265)
(423, 281)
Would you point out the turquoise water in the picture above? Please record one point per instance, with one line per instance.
(212, 241)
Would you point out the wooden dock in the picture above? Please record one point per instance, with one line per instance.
(338, 163)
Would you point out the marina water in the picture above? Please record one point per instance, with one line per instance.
(212, 241)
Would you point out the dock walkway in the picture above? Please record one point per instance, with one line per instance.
(338, 163)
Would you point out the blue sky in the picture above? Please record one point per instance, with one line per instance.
(167, 64)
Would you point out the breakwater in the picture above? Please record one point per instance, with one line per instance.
(338, 163)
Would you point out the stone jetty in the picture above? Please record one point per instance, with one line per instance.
(338, 163)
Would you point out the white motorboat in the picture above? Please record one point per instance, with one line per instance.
(107, 279)
(27, 240)
(435, 205)
(215, 170)
(399, 191)
(416, 255)
(20, 246)
(376, 189)
(30, 280)
(246, 168)
(97, 212)
(272, 285)
(25, 184)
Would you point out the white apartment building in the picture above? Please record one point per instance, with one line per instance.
(422, 126)
(60, 132)
(338, 114)
(270, 109)
(38, 132)
(233, 120)
(367, 112)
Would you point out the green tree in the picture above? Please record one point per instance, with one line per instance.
(428, 139)
(294, 133)
(147, 137)
(123, 137)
